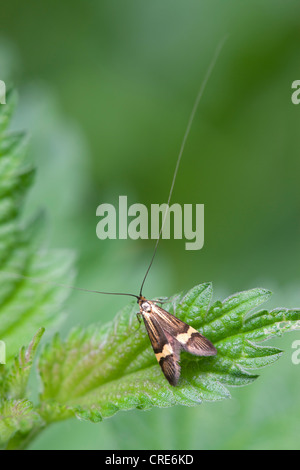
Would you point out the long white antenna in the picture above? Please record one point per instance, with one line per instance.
(189, 125)
(188, 128)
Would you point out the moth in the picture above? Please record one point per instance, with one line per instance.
(167, 333)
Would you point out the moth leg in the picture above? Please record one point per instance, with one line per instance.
(174, 305)
(133, 327)
(138, 316)
(162, 300)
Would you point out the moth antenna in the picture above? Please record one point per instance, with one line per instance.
(42, 281)
(186, 134)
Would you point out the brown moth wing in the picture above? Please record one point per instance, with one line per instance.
(166, 349)
(190, 339)
(168, 335)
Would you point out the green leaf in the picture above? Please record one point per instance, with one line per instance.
(7, 110)
(25, 305)
(96, 372)
(16, 416)
(17, 413)
(16, 378)
(28, 302)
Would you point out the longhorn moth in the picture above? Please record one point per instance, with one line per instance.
(168, 335)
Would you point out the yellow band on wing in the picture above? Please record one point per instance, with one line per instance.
(167, 351)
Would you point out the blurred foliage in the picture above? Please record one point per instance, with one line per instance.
(24, 305)
(107, 89)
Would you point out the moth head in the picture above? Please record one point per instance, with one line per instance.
(145, 306)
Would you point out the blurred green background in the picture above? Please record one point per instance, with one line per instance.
(106, 89)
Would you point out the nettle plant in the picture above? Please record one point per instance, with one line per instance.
(100, 370)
